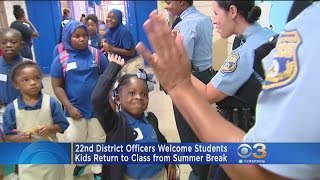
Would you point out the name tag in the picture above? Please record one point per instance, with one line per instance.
(3, 77)
(72, 65)
(140, 135)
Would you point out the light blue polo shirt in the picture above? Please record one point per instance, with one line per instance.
(288, 106)
(8, 92)
(197, 31)
(145, 134)
(238, 66)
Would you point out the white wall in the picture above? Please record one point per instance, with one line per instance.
(9, 9)
(221, 47)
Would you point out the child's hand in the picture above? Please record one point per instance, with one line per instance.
(24, 136)
(172, 172)
(42, 131)
(25, 20)
(74, 113)
(115, 58)
(107, 47)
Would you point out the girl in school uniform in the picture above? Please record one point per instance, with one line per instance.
(123, 117)
(73, 82)
(93, 27)
(119, 40)
(32, 117)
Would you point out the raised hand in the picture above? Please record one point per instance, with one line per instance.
(170, 61)
(115, 58)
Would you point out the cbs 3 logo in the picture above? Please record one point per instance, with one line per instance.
(257, 150)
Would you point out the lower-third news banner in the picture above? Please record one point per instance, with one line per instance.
(44, 152)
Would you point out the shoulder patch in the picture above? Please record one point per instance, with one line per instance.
(230, 64)
(284, 67)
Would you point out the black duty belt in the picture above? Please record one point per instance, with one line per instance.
(243, 118)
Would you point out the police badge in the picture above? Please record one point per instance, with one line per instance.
(285, 65)
(230, 64)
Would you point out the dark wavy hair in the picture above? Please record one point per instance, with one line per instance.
(123, 80)
(21, 65)
(93, 17)
(246, 8)
(18, 12)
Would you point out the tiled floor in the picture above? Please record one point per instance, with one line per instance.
(161, 105)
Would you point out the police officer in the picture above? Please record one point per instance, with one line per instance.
(238, 67)
(235, 17)
(196, 30)
(291, 81)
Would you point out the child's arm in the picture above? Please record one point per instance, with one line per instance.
(58, 116)
(60, 123)
(35, 32)
(172, 172)
(9, 126)
(58, 88)
(128, 48)
(47, 130)
(100, 96)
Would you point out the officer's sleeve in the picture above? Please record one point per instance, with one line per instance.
(9, 120)
(58, 115)
(103, 62)
(189, 36)
(56, 70)
(268, 60)
(235, 71)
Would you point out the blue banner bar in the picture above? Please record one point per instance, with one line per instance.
(41, 152)
(178, 153)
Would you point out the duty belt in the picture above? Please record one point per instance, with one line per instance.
(243, 118)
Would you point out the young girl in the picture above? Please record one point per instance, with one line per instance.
(33, 116)
(28, 32)
(119, 40)
(94, 37)
(73, 83)
(83, 18)
(129, 122)
(102, 29)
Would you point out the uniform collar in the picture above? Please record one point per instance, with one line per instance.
(14, 60)
(23, 105)
(252, 29)
(187, 11)
(133, 120)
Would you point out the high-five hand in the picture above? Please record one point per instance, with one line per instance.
(170, 61)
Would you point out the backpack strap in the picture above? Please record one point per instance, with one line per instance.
(60, 48)
(64, 56)
(96, 55)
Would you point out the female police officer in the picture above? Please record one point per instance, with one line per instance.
(235, 17)
(290, 81)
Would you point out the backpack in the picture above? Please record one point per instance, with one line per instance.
(64, 56)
